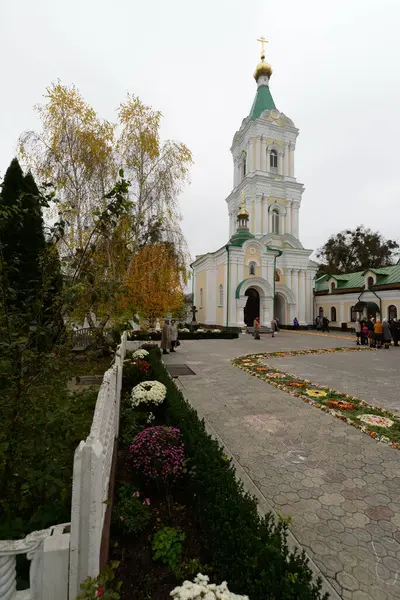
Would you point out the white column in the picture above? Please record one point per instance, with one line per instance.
(250, 156)
(341, 313)
(302, 297)
(288, 227)
(232, 290)
(265, 216)
(263, 155)
(286, 160)
(267, 157)
(295, 223)
(258, 216)
(292, 148)
(280, 163)
(295, 289)
(258, 153)
(308, 298)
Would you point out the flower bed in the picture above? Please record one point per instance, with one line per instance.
(200, 520)
(380, 424)
(212, 334)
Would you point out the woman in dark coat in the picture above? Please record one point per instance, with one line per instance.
(387, 336)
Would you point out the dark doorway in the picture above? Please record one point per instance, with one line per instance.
(252, 308)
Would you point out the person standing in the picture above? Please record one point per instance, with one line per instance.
(395, 330)
(357, 329)
(364, 333)
(174, 335)
(387, 337)
(274, 326)
(378, 333)
(325, 324)
(370, 326)
(296, 323)
(257, 327)
(166, 337)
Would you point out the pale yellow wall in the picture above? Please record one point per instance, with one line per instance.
(273, 199)
(248, 257)
(220, 274)
(347, 307)
(282, 278)
(387, 302)
(274, 141)
(326, 305)
(200, 282)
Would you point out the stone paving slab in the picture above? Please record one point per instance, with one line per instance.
(340, 487)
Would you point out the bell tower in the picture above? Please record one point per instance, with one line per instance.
(263, 152)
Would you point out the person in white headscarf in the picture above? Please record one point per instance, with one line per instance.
(387, 336)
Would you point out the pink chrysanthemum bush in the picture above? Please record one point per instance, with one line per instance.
(158, 454)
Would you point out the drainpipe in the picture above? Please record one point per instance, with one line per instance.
(227, 286)
(192, 285)
(277, 253)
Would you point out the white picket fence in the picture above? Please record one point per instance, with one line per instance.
(64, 555)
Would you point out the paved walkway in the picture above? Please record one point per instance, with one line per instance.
(341, 488)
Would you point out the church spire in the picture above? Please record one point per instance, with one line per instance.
(263, 100)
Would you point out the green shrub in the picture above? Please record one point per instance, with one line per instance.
(246, 550)
(132, 422)
(103, 586)
(36, 486)
(207, 335)
(131, 513)
(167, 547)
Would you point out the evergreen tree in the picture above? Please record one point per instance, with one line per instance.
(10, 229)
(32, 243)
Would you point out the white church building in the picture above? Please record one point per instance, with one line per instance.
(263, 270)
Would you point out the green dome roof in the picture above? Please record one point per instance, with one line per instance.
(262, 101)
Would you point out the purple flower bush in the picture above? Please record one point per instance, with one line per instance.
(158, 454)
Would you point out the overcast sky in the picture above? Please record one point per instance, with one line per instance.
(336, 75)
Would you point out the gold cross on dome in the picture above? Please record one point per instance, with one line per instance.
(263, 41)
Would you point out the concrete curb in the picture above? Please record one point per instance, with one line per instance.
(263, 504)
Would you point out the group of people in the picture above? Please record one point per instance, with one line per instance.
(322, 324)
(257, 327)
(169, 336)
(377, 333)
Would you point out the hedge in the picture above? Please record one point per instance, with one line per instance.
(248, 551)
(208, 335)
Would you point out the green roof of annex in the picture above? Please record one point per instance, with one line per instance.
(385, 276)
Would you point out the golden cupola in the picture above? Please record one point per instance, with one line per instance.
(263, 68)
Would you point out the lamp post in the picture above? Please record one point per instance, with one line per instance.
(276, 254)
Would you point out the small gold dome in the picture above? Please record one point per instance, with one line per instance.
(242, 211)
(263, 68)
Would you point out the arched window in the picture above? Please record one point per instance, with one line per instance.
(353, 315)
(244, 166)
(221, 295)
(275, 221)
(392, 312)
(273, 159)
(370, 282)
(277, 275)
(201, 297)
(333, 287)
(333, 313)
(252, 268)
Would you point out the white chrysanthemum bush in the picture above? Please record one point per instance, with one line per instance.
(200, 589)
(140, 353)
(148, 392)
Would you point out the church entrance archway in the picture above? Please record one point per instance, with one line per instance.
(280, 308)
(252, 308)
